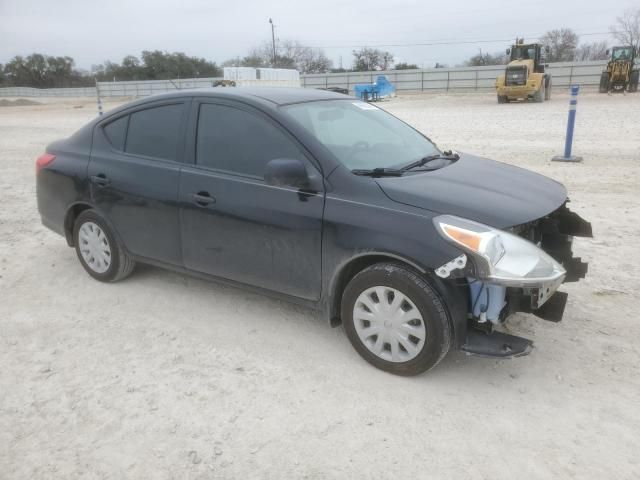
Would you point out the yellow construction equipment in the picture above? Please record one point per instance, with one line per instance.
(620, 75)
(524, 77)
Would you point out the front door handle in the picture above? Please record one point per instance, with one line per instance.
(100, 180)
(203, 199)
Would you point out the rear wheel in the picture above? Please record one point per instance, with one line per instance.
(99, 251)
(395, 319)
(503, 99)
(604, 82)
(633, 80)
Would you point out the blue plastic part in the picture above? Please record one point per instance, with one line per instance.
(373, 91)
(487, 298)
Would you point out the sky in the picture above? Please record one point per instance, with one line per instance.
(93, 31)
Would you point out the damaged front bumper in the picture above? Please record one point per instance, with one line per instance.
(492, 302)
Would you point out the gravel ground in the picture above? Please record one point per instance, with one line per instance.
(166, 376)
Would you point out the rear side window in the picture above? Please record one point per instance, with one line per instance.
(116, 132)
(154, 132)
(239, 142)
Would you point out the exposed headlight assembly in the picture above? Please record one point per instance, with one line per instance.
(500, 257)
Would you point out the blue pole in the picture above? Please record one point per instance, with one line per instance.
(573, 102)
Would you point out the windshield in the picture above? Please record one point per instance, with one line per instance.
(622, 53)
(527, 52)
(360, 135)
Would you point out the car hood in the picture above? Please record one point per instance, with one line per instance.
(479, 189)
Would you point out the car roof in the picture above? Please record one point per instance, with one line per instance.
(274, 95)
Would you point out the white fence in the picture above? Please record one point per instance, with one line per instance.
(459, 78)
(145, 88)
(47, 92)
(435, 79)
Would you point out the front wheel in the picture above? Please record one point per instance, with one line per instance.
(395, 319)
(98, 249)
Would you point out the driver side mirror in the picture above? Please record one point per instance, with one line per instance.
(547, 49)
(608, 52)
(286, 172)
(508, 51)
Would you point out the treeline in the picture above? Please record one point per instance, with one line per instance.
(42, 71)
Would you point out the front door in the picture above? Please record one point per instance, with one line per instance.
(233, 224)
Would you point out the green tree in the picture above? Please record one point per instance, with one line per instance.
(405, 66)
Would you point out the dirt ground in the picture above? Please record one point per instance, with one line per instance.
(166, 376)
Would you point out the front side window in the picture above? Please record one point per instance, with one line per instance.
(155, 132)
(238, 141)
(360, 135)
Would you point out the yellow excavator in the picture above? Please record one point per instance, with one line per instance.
(524, 78)
(620, 76)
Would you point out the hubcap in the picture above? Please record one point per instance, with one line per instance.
(94, 247)
(389, 324)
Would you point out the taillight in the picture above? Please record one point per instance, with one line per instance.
(44, 160)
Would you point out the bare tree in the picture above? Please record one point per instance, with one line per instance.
(368, 59)
(289, 54)
(591, 51)
(562, 44)
(486, 59)
(627, 28)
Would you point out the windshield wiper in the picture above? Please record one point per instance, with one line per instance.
(430, 158)
(378, 172)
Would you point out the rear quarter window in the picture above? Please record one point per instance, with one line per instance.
(155, 132)
(116, 132)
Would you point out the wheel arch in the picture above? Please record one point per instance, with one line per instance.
(454, 296)
(70, 216)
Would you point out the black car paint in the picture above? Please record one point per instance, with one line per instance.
(294, 244)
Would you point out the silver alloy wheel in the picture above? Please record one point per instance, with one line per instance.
(389, 324)
(94, 247)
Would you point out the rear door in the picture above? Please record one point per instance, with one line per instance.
(233, 224)
(134, 173)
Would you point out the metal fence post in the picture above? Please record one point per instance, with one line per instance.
(476, 80)
(422, 81)
(571, 75)
(573, 102)
(447, 80)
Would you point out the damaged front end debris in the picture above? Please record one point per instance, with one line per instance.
(513, 271)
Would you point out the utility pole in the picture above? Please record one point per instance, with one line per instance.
(273, 41)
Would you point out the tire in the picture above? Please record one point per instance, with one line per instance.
(604, 82)
(91, 230)
(424, 314)
(633, 80)
(503, 99)
(539, 96)
(547, 88)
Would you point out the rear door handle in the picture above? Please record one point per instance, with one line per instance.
(100, 179)
(203, 199)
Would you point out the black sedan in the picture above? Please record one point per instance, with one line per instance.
(323, 200)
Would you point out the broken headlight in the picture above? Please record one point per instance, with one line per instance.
(500, 257)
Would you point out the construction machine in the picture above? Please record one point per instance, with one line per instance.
(525, 77)
(620, 75)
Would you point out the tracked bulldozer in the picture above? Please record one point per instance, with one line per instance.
(620, 75)
(525, 77)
